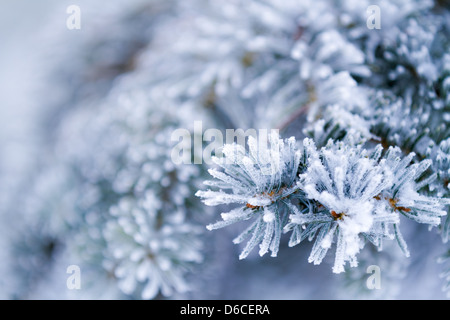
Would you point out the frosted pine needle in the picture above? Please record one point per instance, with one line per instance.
(259, 181)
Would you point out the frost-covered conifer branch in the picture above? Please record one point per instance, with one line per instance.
(146, 253)
(344, 194)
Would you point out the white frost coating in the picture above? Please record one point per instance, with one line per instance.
(269, 216)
